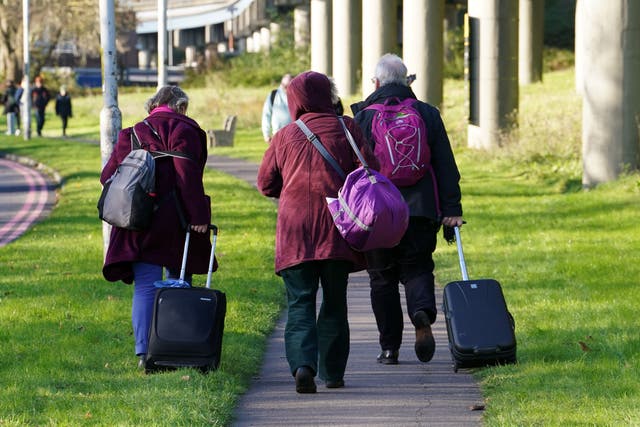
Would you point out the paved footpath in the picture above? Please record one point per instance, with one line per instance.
(408, 394)
(26, 196)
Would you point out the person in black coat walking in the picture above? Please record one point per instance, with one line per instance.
(63, 108)
(39, 99)
(433, 200)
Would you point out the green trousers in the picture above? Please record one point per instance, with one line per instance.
(322, 344)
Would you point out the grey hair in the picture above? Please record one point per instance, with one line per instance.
(334, 91)
(391, 69)
(171, 96)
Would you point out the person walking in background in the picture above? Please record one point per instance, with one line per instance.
(11, 108)
(139, 256)
(39, 99)
(433, 200)
(275, 111)
(309, 250)
(19, 92)
(63, 108)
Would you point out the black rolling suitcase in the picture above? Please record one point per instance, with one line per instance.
(480, 328)
(188, 323)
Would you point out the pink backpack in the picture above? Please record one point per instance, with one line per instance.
(401, 141)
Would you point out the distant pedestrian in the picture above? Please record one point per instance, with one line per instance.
(63, 108)
(39, 99)
(11, 109)
(275, 111)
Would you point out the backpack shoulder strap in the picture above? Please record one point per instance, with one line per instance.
(135, 144)
(272, 97)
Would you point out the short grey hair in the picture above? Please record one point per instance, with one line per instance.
(171, 96)
(335, 98)
(391, 69)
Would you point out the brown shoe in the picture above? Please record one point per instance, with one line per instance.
(425, 343)
(304, 380)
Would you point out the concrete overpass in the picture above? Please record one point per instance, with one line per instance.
(347, 37)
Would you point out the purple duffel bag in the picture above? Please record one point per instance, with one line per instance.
(370, 213)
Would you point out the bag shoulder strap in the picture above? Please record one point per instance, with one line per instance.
(353, 143)
(136, 145)
(316, 143)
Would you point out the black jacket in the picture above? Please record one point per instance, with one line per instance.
(63, 106)
(420, 197)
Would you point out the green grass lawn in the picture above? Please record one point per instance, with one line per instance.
(567, 260)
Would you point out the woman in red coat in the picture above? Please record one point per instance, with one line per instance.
(139, 256)
(309, 249)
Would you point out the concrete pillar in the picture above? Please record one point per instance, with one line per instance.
(144, 59)
(379, 26)
(265, 39)
(531, 35)
(301, 26)
(190, 53)
(257, 43)
(493, 65)
(162, 43)
(209, 34)
(579, 48)
(347, 51)
(611, 100)
(274, 28)
(321, 46)
(423, 47)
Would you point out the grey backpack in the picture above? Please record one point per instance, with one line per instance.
(128, 197)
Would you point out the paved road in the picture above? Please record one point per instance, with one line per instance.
(408, 394)
(26, 196)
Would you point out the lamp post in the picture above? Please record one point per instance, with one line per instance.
(110, 115)
(26, 87)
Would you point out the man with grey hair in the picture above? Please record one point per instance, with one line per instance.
(433, 199)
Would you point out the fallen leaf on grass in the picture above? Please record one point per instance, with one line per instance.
(477, 407)
(584, 346)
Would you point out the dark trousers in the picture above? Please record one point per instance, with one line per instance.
(64, 124)
(323, 343)
(409, 263)
(39, 120)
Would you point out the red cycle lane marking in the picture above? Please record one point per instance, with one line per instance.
(32, 207)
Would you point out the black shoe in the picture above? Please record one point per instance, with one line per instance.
(335, 384)
(388, 357)
(425, 343)
(304, 380)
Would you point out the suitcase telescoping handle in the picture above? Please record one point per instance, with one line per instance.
(214, 239)
(187, 238)
(463, 265)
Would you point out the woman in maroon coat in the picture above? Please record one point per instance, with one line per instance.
(139, 256)
(309, 249)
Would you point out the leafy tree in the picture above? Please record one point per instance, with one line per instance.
(51, 24)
